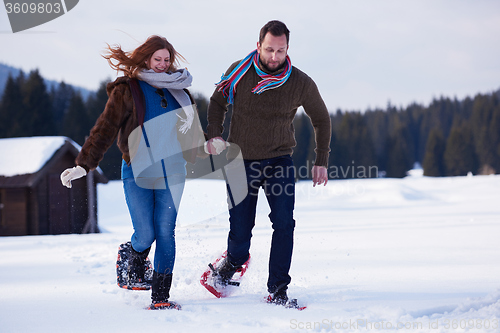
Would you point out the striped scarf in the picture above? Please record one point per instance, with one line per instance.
(227, 84)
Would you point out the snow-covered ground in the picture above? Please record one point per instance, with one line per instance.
(416, 254)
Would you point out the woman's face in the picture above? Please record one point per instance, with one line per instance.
(159, 61)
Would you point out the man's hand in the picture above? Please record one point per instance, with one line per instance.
(215, 146)
(320, 175)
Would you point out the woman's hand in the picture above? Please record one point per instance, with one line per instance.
(71, 174)
(215, 146)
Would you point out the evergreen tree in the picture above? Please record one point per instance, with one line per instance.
(494, 130)
(202, 107)
(336, 150)
(378, 126)
(332, 160)
(485, 130)
(112, 160)
(37, 107)
(399, 159)
(438, 115)
(303, 134)
(96, 103)
(75, 121)
(354, 151)
(11, 108)
(460, 156)
(61, 97)
(413, 120)
(433, 161)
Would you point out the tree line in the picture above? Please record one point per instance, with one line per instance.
(448, 138)
(29, 108)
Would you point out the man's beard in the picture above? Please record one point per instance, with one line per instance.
(270, 70)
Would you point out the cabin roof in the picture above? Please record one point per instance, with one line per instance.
(23, 161)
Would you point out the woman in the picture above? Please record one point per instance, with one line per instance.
(153, 118)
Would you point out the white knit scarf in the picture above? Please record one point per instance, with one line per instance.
(174, 82)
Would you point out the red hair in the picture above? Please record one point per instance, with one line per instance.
(131, 62)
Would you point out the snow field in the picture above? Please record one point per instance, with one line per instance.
(376, 255)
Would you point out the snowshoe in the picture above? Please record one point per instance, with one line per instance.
(280, 298)
(164, 306)
(222, 277)
(122, 270)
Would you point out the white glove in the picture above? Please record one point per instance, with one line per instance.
(215, 146)
(71, 174)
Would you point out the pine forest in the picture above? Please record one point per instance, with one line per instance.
(449, 137)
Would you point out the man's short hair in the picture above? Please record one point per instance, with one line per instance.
(276, 28)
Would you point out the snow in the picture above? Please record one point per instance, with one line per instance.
(417, 170)
(419, 254)
(21, 156)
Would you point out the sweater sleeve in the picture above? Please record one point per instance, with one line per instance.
(217, 109)
(315, 108)
(106, 128)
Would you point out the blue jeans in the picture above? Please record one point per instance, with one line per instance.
(277, 177)
(154, 213)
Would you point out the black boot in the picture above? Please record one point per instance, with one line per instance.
(224, 272)
(279, 297)
(161, 292)
(133, 269)
(137, 266)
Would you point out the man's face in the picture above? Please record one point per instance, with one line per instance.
(272, 51)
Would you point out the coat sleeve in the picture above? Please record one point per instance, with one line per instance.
(106, 129)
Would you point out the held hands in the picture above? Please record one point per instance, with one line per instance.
(320, 175)
(71, 174)
(215, 146)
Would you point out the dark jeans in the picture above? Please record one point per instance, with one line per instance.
(277, 177)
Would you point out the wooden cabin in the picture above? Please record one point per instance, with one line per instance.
(32, 199)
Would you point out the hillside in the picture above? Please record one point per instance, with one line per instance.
(5, 70)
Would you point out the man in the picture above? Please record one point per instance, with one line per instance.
(265, 91)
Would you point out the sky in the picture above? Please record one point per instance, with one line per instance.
(362, 54)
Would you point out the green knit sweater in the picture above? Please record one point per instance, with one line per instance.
(261, 125)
